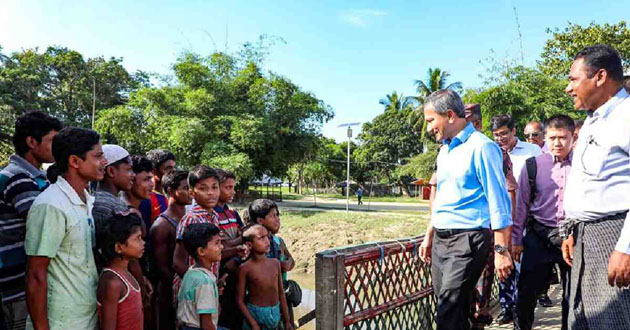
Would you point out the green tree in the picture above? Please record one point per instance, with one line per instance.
(388, 141)
(221, 110)
(525, 93)
(561, 48)
(436, 80)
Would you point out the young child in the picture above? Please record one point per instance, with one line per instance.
(262, 278)
(265, 212)
(234, 251)
(204, 188)
(162, 235)
(198, 297)
(118, 297)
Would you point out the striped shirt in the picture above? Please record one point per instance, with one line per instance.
(197, 215)
(20, 183)
(230, 222)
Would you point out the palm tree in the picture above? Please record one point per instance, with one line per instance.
(436, 80)
(395, 102)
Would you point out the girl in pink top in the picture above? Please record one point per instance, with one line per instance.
(118, 297)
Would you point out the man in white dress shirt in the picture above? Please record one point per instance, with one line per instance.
(597, 196)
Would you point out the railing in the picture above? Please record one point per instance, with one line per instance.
(382, 285)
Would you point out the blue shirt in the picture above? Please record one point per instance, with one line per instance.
(471, 190)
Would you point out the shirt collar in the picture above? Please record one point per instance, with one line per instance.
(28, 167)
(461, 137)
(568, 160)
(71, 193)
(220, 209)
(605, 109)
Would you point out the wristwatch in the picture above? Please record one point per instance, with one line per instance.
(499, 248)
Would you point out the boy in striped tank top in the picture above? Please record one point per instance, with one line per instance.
(118, 296)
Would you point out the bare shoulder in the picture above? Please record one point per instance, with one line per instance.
(110, 283)
(244, 267)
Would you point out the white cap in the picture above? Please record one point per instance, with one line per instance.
(114, 153)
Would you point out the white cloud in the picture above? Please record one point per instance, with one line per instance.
(361, 17)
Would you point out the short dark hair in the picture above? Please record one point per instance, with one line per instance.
(141, 164)
(35, 124)
(225, 175)
(173, 179)
(201, 172)
(500, 121)
(197, 235)
(159, 157)
(560, 122)
(578, 123)
(52, 173)
(260, 208)
(598, 57)
(247, 232)
(116, 229)
(72, 141)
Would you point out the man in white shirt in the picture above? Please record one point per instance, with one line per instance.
(597, 196)
(535, 134)
(504, 133)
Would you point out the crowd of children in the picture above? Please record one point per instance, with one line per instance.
(109, 240)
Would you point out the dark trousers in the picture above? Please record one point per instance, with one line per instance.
(458, 260)
(539, 257)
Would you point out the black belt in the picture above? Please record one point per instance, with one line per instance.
(445, 233)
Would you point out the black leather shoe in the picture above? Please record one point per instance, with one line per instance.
(505, 317)
(544, 300)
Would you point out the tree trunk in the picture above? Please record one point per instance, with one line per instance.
(404, 189)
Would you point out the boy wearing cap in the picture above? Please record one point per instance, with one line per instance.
(118, 177)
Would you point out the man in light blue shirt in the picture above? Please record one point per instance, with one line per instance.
(471, 199)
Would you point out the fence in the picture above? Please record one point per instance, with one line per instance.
(382, 285)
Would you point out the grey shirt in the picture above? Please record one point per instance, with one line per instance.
(105, 205)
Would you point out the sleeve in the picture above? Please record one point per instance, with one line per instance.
(238, 218)
(207, 298)
(45, 230)
(623, 244)
(522, 207)
(179, 233)
(489, 163)
(21, 192)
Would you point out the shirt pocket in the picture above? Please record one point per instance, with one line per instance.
(594, 156)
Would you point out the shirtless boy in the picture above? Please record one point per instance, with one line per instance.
(262, 278)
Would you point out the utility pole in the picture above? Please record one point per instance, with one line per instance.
(93, 101)
(349, 125)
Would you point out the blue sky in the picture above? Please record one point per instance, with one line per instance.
(348, 53)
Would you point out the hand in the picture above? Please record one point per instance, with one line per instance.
(255, 326)
(147, 286)
(221, 283)
(567, 250)
(619, 269)
(242, 251)
(516, 252)
(425, 250)
(503, 265)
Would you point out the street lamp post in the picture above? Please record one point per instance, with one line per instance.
(349, 125)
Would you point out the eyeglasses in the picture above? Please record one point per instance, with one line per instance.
(532, 135)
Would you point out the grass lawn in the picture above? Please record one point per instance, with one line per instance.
(308, 232)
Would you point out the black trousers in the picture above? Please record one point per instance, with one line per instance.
(457, 262)
(539, 257)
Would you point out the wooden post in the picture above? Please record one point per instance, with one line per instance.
(329, 281)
